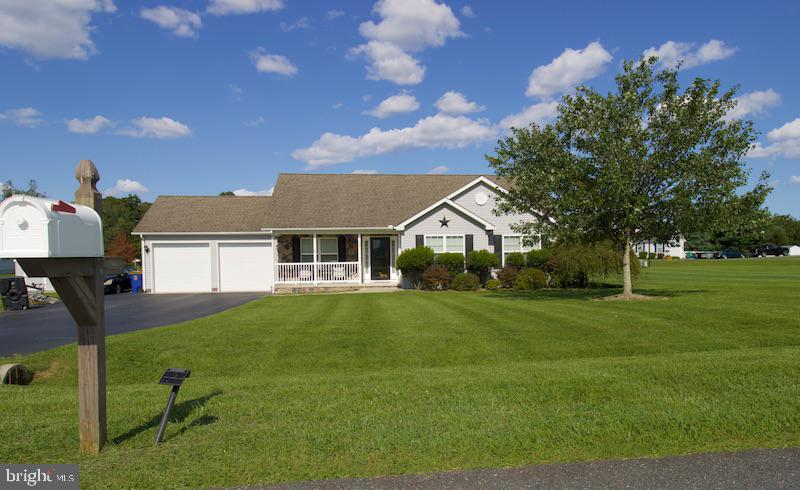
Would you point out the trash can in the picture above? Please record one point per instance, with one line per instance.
(136, 282)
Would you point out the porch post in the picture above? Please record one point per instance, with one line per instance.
(360, 265)
(314, 263)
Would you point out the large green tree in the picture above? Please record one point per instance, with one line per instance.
(646, 161)
(120, 216)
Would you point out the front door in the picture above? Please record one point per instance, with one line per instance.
(380, 258)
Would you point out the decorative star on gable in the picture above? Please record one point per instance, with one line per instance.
(444, 222)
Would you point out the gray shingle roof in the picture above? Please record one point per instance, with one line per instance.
(186, 214)
(308, 201)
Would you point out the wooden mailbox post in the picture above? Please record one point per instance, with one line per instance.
(66, 245)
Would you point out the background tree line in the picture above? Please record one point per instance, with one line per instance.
(780, 229)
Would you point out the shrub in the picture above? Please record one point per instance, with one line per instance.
(515, 259)
(643, 255)
(529, 279)
(578, 265)
(412, 261)
(480, 262)
(539, 258)
(507, 275)
(453, 262)
(466, 281)
(436, 278)
(659, 255)
(492, 284)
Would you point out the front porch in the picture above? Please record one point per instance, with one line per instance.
(308, 260)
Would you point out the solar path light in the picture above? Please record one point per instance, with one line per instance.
(173, 377)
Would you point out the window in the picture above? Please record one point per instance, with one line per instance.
(445, 243)
(328, 249)
(306, 249)
(516, 243)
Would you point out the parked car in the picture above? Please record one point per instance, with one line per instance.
(771, 249)
(729, 254)
(117, 283)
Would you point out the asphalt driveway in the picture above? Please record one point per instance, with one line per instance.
(756, 469)
(48, 326)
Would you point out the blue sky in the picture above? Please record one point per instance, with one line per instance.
(202, 96)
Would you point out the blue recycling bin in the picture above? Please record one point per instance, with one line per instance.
(136, 282)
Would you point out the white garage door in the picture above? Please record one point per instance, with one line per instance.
(181, 267)
(245, 267)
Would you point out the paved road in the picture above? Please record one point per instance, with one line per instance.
(758, 468)
(48, 326)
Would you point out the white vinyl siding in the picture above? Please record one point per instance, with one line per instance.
(445, 243)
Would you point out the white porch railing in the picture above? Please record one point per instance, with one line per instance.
(303, 272)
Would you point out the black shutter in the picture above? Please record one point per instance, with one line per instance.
(342, 248)
(420, 240)
(467, 244)
(498, 247)
(295, 248)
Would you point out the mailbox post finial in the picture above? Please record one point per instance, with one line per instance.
(87, 194)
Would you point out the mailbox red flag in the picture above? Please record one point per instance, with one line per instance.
(62, 207)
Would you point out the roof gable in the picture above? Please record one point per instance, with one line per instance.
(309, 201)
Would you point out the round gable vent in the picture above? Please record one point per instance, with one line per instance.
(481, 198)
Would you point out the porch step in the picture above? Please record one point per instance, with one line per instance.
(360, 288)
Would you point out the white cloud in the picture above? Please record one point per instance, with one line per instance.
(365, 172)
(754, 103)
(333, 14)
(236, 91)
(455, 103)
(785, 142)
(388, 62)
(788, 131)
(671, 53)
(396, 104)
(229, 7)
(570, 68)
(438, 131)
(405, 26)
(181, 22)
(87, 126)
(55, 29)
(467, 11)
(272, 63)
(157, 127)
(794, 179)
(26, 117)
(301, 23)
(245, 192)
(441, 169)
(412, 25)
(125, 187)
(338, 105)
(254, 122)
(537, 113)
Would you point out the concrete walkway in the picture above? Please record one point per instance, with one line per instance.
(757, 468)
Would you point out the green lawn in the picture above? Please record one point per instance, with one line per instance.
(325, 386)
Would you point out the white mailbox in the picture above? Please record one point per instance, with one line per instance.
(35, 227)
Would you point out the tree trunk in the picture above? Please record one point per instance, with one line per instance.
(627, 285)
